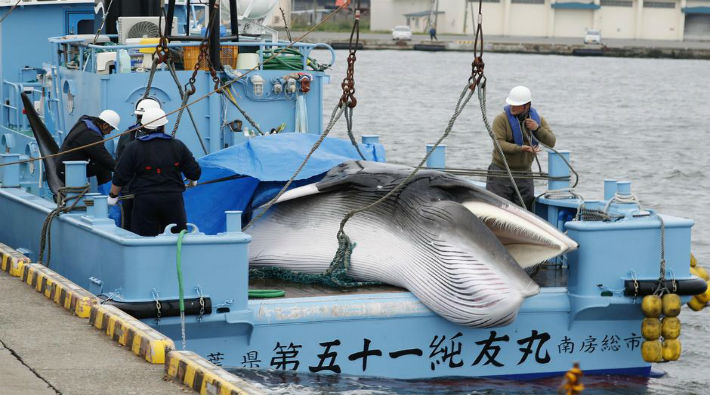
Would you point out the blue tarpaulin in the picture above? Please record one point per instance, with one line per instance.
(266, 162)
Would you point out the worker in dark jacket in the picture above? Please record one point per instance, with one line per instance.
(141, 106)
(154, 164)
(89, 132)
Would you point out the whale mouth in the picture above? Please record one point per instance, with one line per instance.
(529, 239)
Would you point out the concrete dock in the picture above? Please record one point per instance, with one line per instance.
(531, 45)
(45, 349)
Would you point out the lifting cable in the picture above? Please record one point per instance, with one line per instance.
(348, 100)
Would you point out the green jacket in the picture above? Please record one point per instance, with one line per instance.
(514, 154)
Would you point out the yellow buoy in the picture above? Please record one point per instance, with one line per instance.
(671, 305)
(695, 304)
(651, 350)
(651, 328)
(572, 383)
(651, 305)
(704, 297)
(702, 273)
(693, 261)
(670, 328)
(671, 349)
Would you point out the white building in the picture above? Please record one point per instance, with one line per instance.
(628, 19)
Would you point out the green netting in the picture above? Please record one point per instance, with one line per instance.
(336, 276)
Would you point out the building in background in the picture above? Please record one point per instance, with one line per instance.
(623, 19)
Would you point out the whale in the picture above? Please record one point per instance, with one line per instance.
(461, 250)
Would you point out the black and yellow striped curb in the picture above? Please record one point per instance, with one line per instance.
(185, 366)
(12, 261)
(204, 377)
(143, 340)
(59, 289)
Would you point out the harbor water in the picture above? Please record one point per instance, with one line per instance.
(642, 120)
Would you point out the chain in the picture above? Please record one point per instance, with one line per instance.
(348, 84)
(202, 303)
(157, 306)
(477, 65)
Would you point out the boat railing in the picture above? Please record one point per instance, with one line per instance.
(81, 54)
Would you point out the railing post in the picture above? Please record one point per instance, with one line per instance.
(10, 172)
(437, 159)
(557, 167)
(370, 139)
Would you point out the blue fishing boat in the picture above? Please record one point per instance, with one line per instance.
(250, 107)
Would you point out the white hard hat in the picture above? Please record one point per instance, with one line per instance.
(110, 117)
(518, 96)
(145, 104)
(153, 118)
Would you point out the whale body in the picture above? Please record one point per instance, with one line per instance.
(458, 248)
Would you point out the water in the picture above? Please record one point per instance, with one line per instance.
(643, 120)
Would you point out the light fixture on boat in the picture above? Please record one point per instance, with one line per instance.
(291, 86)
(278, 88)
(258, 82)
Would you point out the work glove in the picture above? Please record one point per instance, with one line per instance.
(112, 201)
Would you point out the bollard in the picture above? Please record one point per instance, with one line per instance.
(437, 159)
(609, 188)
(623, 188)
(100, 206)
(370, 139)
(74, 175)
(234, 221)
(10, 173)
(89, 200)
(556, 167)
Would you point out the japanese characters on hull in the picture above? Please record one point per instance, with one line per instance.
(450, 354)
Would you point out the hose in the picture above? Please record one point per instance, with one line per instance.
(289, 59)
(266, 293)
(180, 286)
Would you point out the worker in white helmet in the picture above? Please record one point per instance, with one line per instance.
(154, 164)
(142, 105)
(519, 130)
(89, 132)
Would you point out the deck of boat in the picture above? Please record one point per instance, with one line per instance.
(547, 275)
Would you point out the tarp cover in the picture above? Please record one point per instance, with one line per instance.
(267, 162)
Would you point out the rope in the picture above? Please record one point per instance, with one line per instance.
(62, 200)
(181, 235)
(199, 99)
(661, 288)
(622, 198)
(288, 32)
(15, 6)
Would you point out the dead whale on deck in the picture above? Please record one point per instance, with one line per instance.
(458, 248)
